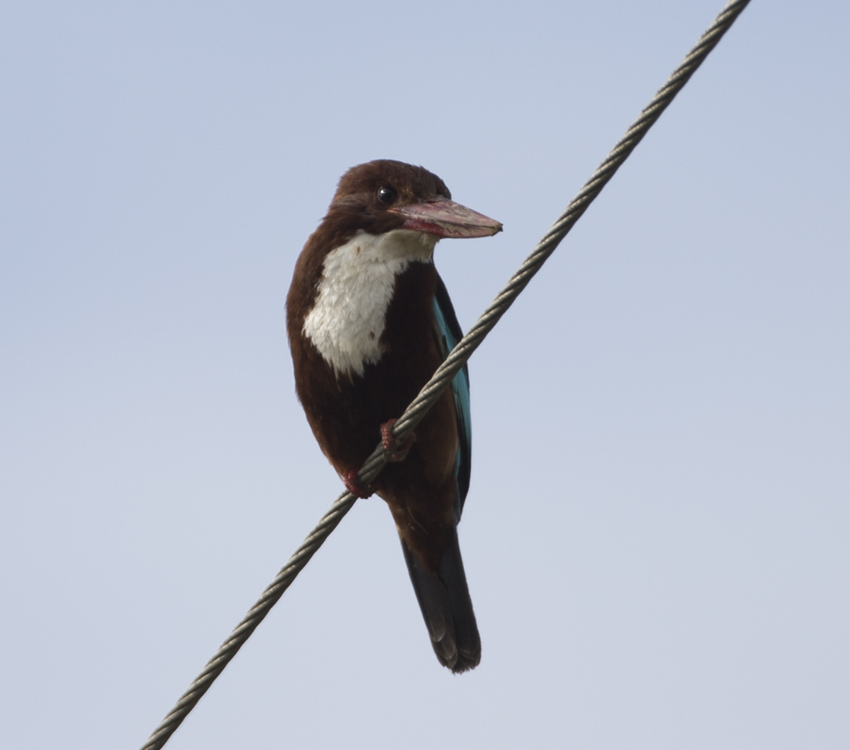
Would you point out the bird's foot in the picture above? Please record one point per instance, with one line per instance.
(355, 486)
(392, 450)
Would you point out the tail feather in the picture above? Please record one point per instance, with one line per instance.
(447, 608)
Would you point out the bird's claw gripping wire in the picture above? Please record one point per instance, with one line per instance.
(393, 452)
(355, 486)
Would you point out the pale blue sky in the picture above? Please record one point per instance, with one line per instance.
(657, 537)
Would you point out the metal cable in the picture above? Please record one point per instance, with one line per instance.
(446, 372)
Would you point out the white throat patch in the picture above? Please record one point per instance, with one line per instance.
(349, 315)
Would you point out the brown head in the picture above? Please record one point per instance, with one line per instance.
(383, 195)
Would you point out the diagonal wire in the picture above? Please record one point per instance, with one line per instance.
(446, 372)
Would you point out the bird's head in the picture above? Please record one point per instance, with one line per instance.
(384, 195)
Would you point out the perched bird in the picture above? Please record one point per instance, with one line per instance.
(369, 320)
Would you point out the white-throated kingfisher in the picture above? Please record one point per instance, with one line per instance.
(369, 321)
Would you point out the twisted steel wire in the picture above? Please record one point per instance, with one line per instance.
(429, 394)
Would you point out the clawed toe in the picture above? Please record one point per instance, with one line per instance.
(355, 486)
(392, 450)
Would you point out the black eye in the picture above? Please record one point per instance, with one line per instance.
(387, 195)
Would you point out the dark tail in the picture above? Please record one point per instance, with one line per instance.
(444, 600)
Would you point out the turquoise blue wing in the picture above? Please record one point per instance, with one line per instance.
(449, 333)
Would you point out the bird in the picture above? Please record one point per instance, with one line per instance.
(369, 320)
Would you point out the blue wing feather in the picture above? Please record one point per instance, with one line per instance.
(449, 333)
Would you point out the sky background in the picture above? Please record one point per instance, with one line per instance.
(657, 537)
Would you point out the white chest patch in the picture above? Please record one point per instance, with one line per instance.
(349, 315)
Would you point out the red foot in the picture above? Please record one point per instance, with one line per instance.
(355, 486)
(392, 450)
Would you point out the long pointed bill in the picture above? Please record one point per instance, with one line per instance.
(446, 218)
